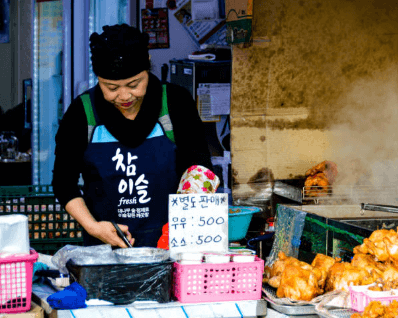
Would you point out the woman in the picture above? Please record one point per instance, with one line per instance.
(131, 139)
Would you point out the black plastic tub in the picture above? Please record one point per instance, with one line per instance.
(123, 284)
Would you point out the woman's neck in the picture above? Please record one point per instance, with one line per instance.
(133, 112)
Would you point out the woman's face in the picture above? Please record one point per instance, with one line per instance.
(126, 94)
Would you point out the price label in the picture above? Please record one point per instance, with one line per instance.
(198, 223)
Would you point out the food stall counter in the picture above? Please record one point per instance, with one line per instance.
(248, 308)
(271, 313)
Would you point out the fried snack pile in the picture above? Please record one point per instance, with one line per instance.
(374, 261)
(319, 178)
(382, 244)
(376, 309)
(299, 280)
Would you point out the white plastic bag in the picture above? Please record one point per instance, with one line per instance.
(14, 234)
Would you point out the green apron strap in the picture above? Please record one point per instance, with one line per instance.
(88, 109)
(164, 116)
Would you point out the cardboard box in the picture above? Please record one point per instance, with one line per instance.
(35, 312)
(239, 16)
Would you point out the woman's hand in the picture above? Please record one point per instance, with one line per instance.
(106, 232)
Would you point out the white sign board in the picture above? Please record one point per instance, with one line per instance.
(198, 223)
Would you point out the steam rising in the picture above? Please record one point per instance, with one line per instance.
(364, 144)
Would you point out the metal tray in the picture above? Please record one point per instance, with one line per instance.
(373, 224)
(338, 313)
(292, 310)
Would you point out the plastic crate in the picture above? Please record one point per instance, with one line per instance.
(361, 296)
(50, 226)
(16, 282)
(218, 282)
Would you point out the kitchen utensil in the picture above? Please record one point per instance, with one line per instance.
(8, 145)
(137, 255)
(378, 207)
(121, 234)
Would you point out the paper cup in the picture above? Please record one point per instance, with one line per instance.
(187, 262)
(217, 259)
(187, 256)
(243, 258)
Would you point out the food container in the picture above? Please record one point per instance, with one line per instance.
(123, 284)
(218, 282)
(189, 262)
(361, 296)
(217, 258)
(239, 218)
(139, 255)
(243, 258)
(191, 256)
(16, 282)
(241, 251)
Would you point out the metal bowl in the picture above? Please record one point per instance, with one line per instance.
(136, 255)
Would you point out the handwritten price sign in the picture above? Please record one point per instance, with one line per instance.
(198, 223)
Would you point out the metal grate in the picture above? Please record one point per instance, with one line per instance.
(354, 194)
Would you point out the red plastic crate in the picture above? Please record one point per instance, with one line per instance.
(218, 282)
(16, 282)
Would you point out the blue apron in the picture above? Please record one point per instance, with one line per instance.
(130, 185)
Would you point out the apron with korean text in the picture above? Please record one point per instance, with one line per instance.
(130, 185)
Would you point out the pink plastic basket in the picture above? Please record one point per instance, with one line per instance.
(218, 282)
(361, 297)
(16, 282)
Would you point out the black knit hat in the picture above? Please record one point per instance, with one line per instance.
(120, 52)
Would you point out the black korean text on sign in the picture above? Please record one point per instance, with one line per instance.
(198, 222)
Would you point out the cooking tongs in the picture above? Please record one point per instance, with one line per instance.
(379, 208)
(121, 234)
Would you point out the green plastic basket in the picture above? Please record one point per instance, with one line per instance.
(50, 226)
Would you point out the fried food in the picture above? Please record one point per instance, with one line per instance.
(329, 168)
(323, 263)
(390, 274)
(392, 310)
(376, 309)
(374, 261)
(342, 275)
(298, 283)
(391, 243)
(274, 272)
(316, 185)
(378, 244)
(368, 263)
(319, 178)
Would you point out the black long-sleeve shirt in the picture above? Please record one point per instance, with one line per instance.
(71, 139)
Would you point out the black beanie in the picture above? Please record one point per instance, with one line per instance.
(120, 52)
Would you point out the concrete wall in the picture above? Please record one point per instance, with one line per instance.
(320, 85)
